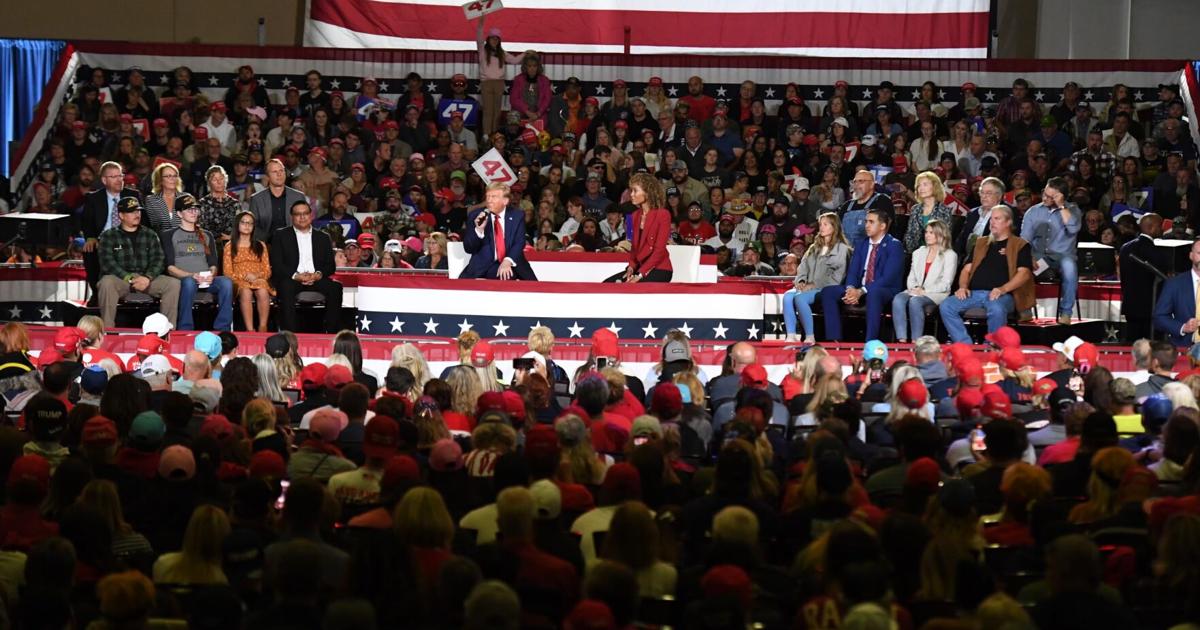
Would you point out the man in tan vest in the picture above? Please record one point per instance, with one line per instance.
(998, 278)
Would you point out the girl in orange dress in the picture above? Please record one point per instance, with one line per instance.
(247, 263)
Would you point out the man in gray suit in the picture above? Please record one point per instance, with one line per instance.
(270, 206)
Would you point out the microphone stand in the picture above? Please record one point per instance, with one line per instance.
(1159, 278)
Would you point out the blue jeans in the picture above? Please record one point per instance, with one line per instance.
(908, 313)
(799, 302)
(953, 308)
(222, 287)
(1068, 270)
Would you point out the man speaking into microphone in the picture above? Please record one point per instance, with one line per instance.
(496, 240)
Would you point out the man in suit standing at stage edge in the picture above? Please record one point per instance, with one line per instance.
(1177, 312)
(302, 260)
(496, 239)
(100, 213)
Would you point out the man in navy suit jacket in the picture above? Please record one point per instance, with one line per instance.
(875, 291)
(488, 259)
(1175, 312)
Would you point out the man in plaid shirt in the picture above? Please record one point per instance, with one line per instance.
(131, 259)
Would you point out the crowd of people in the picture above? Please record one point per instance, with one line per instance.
(952, 489)
(391, 180)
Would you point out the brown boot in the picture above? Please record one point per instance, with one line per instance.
(1064, 320)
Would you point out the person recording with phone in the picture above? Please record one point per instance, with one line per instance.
(497, 241)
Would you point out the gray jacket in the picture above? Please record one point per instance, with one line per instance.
(260, 206)
(823, 270)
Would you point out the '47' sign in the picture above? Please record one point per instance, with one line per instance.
(492, 168)
(479, 8)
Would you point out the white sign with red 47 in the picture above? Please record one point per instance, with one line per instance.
(479, 8)
(492, 168)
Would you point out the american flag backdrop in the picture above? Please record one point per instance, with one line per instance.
(935, 29)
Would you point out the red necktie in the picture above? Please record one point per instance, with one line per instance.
(871, 264)
(498, 235)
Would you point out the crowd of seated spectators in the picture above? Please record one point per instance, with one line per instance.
(272, 491)
(391, 181)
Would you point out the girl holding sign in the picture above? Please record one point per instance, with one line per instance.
(493, 71)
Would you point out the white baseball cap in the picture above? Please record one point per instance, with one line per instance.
(156, 324)
(1068, 347)
(392, 245)
(800, 183)
(154, 365)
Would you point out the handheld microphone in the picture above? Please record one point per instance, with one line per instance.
(481, 219)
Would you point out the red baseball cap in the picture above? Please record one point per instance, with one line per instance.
(1043, 386)
(968, 86)
(655, 81)
(338, 376)
(312, 376)
(514, 405)
(1012, 359)
(381, 437)
(319, 152)
(754, 375)
(969, 371)
(1004, 337)
(160, 122)
(923, 473)
(391, 124)
(49, 356)
(968, 401)
(399, 468)
(489, 401)
(150, 344)
(126, 117)
(1087, 354)
(482, 354)
(996, 405)
(200, 133)
(67, 339)
(913, 394)
(604, 344)
(267, 464)
(99, 431)
(840, 84)
(219, 106)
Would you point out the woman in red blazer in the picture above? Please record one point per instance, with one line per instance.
(648, 258)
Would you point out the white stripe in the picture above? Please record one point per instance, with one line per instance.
(1189, 102)
(890, 7)
(599, 305)
(324, 35)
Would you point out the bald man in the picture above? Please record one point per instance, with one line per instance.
(195, 367)
(1137, 282)
(726, 387)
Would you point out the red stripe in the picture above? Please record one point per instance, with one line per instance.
(699, 62)
(39, 115)
(49, 273)
(667, 28)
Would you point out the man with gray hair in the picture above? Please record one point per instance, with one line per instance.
(927, 354)
(975, 224)
(195, 368)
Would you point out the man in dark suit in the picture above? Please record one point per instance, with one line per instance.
(1176, 313)
(495, 258)
(1137, 282)
(302, 260)
(875, 277)
(100, 213)
(270, 206)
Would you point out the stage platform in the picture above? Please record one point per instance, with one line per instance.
(397, 302)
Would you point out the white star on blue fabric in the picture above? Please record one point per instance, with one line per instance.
(397, 325)
(650, 331)
(431, 326)
(769, 93)
(752, 331)
(286, 82)
(15, 312)
(672, 91)
(501, 329)
(720, 330)
(45, 310)
(335, 84)
(464, 326)
(576, 330)
(613, 327)
(212, 80)
(365, 324)
(819, 93)
(686, 330)
(383, 87)
(720, 90)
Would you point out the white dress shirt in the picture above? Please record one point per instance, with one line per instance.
(481, 230)
(870, 246)
(304, 246)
